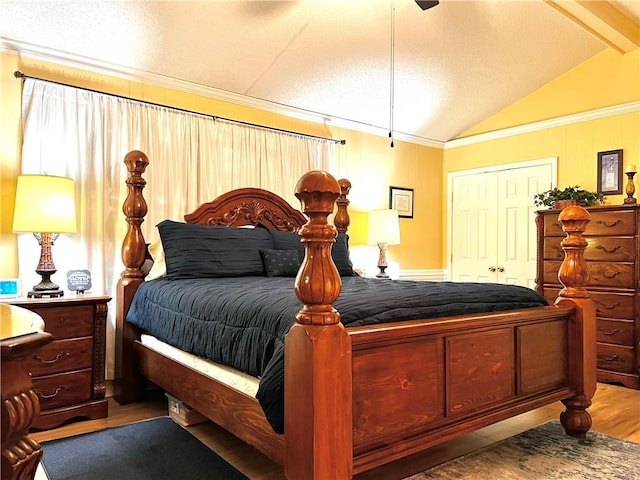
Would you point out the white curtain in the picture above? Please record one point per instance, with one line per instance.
(193, 158)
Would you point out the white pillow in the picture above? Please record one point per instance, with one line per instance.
(159, 268)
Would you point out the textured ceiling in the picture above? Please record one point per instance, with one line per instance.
(454, 65)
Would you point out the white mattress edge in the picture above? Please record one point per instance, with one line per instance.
(231, 377)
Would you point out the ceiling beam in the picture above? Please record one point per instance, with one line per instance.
(603, 20)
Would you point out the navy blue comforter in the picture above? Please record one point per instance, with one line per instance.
(241, 322)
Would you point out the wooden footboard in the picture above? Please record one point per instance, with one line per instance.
(361, 397)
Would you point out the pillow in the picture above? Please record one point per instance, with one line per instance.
(281, 263)
(287, 241)
(159, 267)
(341, 257)
(339, 250)
(201, 251)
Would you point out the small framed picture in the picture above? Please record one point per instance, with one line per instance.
(610, 172)
(401, 199)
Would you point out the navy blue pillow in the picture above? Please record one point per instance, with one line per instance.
(340, 255)
(339, 250)
(197, 251)
(281, 263)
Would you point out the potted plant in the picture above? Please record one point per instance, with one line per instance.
(556, 198)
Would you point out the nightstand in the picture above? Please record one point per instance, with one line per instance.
(68, 374)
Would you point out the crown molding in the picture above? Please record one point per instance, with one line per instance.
(545, 124)
(38, 52)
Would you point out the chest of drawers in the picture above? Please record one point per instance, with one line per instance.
(69, 373)
(612, 254)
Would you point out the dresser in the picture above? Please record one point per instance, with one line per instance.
(612, 254)
(69, 373)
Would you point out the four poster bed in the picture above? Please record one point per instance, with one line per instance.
(353, 397)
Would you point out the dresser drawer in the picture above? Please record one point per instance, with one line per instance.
(615, 357)
(67, 322)
(63, 388)
(603, 274)
(614, 305)
(608, 249)
(616, 222)
(62, 355)
(612, 274)
(608, 305)
(615, 331)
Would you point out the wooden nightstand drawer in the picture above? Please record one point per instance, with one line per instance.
(615, 357)
(66, 322)
(62, 355)
(63, 388)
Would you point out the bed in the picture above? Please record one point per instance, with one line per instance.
(358, 397)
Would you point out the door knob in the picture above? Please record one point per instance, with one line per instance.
(501, 269)
(492, 269)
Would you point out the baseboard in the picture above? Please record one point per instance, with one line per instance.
(424, 275)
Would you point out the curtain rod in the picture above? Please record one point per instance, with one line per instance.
(19, 74)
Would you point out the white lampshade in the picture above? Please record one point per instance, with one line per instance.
(384, 227)
(44, 204)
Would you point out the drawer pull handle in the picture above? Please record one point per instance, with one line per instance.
(608, 306)
(609, 358)
(64, 320)
(602, 222)
(38, 358)
(59, 390)
(610, 274)
(610, 332)
(607, 250)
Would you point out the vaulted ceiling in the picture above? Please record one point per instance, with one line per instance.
(369, 65)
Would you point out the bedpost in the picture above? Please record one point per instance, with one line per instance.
(574, 276)
(341, 219)
(128, 383)
(318, 403)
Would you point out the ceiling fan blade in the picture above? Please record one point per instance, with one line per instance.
(424, 5)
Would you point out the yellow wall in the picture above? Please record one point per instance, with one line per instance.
(606, 80)
(371, 165)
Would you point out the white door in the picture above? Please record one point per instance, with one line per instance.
(493, 232)
(474, 228)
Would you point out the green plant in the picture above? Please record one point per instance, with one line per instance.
(583, 197)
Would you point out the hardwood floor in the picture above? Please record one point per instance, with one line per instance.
(615, 412)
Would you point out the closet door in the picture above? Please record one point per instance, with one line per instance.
(474, 228)
(516, 227)
(493, 231)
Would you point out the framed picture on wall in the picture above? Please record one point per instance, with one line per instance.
(610, 172)
(401, 199)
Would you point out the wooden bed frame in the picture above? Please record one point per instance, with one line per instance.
(361, 397)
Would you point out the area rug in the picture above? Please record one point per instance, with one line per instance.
(545, 453)
(153, 449)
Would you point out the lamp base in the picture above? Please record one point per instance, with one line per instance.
(382, 273)
(46, 288)
(45, 293)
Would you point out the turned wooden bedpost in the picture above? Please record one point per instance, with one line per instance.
(574, 276)
(341, 219)
(128, 385)
(318, 403)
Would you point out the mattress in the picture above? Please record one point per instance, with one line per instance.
(241, 322)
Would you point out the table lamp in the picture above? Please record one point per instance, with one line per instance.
(45, 206)
(383, 230)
